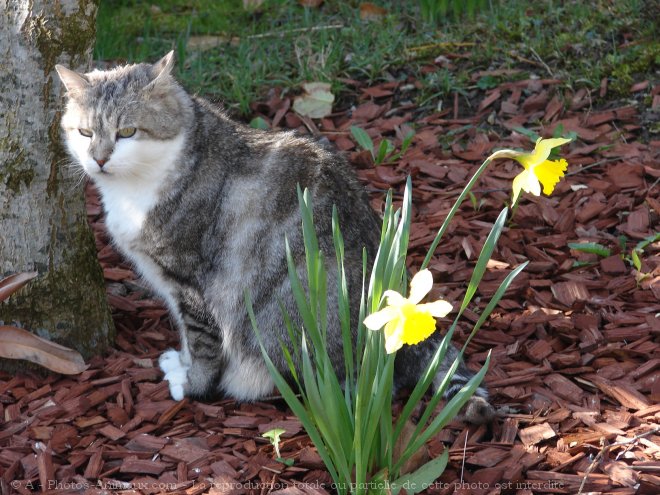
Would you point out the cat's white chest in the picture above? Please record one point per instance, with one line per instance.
(126, 209)
(139, 171)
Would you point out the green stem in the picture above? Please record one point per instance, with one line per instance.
(454, 209)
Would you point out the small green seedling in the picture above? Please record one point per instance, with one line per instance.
(274, 437)
(385, 151)
(476, 204)
(259, 123)
(639, 250)
(590, 247)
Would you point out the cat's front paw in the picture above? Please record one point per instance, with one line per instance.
(175, 373)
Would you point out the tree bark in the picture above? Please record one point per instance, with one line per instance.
(43, 224)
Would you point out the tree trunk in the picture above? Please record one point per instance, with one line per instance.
(43, 225)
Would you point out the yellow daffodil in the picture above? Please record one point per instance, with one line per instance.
(538, 169)
(405, 320)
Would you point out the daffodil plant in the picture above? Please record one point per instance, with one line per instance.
(351, 424)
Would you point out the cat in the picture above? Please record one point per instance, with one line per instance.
(200, 204)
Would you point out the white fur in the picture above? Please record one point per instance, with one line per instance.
(131, 179)
(175, 373)
(247, 379)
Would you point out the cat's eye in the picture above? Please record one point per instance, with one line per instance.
(85, 132)
(126, 132)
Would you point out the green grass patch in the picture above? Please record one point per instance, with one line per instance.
(228, 53)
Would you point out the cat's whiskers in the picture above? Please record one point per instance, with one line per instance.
(77, 172)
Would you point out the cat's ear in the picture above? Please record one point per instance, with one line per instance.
(160, 72)
(73, 82)
(163, 67)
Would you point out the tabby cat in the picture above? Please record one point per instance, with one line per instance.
(201, 205)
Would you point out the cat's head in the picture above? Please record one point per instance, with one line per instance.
(120, 122)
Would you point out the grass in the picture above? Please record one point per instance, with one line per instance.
(283, 44)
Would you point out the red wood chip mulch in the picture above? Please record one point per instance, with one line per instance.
(575, 341)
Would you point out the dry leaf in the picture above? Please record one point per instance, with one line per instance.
(16, 343)
(316, 102)
(14, 282)
(310, 3)
(371, 12)
(205, 42)
(252, 4)
(418, 459)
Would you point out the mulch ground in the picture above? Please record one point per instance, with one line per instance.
(575, 342)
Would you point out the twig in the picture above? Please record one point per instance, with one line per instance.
(607, 447)
(464, 450)
(538, 57)
(297, 30)
(592, 165)
(623, 138)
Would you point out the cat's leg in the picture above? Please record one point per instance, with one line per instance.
(193, 371)
(411, 362)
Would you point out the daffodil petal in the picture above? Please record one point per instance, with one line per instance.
(437, 308)
(376, 321)
(420, 285)
(526, 181)
(394, 298)
(393, 335)
(393, 345)
(541, 152)
(549, 172)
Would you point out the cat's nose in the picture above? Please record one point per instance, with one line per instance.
(101, 161)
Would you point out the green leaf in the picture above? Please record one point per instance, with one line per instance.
(422, 386)
(487, 82)
(499, 293)
(533, 137)
(473, 201)
(423, 477)
(363, 138)
(259, 123)
(448, 412)
(384, 149)
(622, 240)
(484, 257)
(639, 249)
(648, 240)
(292, 400)
(405, 144)
(582, 264)
(590, 247)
